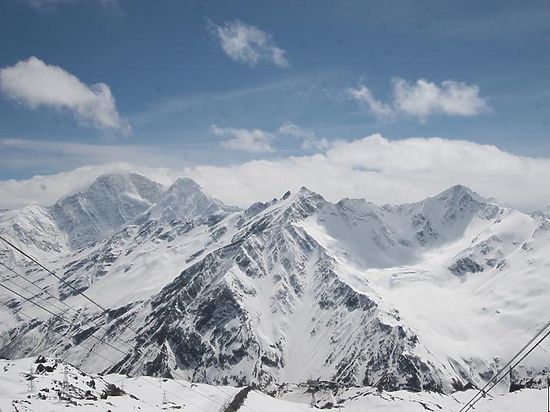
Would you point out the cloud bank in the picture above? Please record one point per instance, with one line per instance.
(423, 99)
(248, 44)
(35, 84)
(374, 168)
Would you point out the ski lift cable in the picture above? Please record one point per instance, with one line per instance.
(101, 307)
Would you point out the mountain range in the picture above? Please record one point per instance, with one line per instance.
(90, 392)
(427, 296)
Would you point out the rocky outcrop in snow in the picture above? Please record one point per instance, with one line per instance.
(420, 296)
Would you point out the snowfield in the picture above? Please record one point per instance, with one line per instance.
(396, 305)
(86, 392)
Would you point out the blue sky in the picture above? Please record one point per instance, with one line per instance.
(186, 100)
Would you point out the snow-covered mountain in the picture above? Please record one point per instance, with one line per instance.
(110, 202)
(89, 392)
(432, 295)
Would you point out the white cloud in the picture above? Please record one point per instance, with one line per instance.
(45, 190)
(35, 84)
(375, 168)
(247, 140)
(248, 44)
(424, 99)
(309, 140)
(261, 141)
(385, 171)
(364, 96)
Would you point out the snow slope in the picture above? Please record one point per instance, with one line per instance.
(85, 392)
(432, 295)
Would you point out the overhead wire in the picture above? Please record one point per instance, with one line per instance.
(91, 349)
(508, 367)
(85, 319)
(59, 316)
(101, 307)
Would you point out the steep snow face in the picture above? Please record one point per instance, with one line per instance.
(251, 310)
(447, 216)
(152, 249)
(465, 275)
(143, 252)
(146, 256)
(370, 236)
(110, 202)
(423, 296)
(33, 228)
(185, 200)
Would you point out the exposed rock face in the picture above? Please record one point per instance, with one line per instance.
(282, 292)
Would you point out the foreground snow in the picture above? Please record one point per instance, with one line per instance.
(88, 393)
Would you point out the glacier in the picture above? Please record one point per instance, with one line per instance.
(428, 296)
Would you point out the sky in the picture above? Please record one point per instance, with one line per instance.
(245, 90)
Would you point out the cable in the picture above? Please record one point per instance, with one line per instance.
(482, 391)
(58, 333)
(76, 311)
(58, 316)
(32, 297)
(102, 341)
(106, 359)
(52, 273)
(471, 405)
(508, 368)
(16, 274)
(103, 309)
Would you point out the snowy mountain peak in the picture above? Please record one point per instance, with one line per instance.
(116, 184)
(185, 200)
(299, 205)
(354, 203)
(459, 193)
(243, 297)
(447, 215)
(185, 185)
(111, 201)
(304, 193)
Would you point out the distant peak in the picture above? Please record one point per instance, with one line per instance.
(110, 182)
(184, 186)
(117, 180)
(117, 175)
(305, 191)
(460, 188)
(352, 202)
(108, 177)
(306, 196)
(186, 182)
(459, 191)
